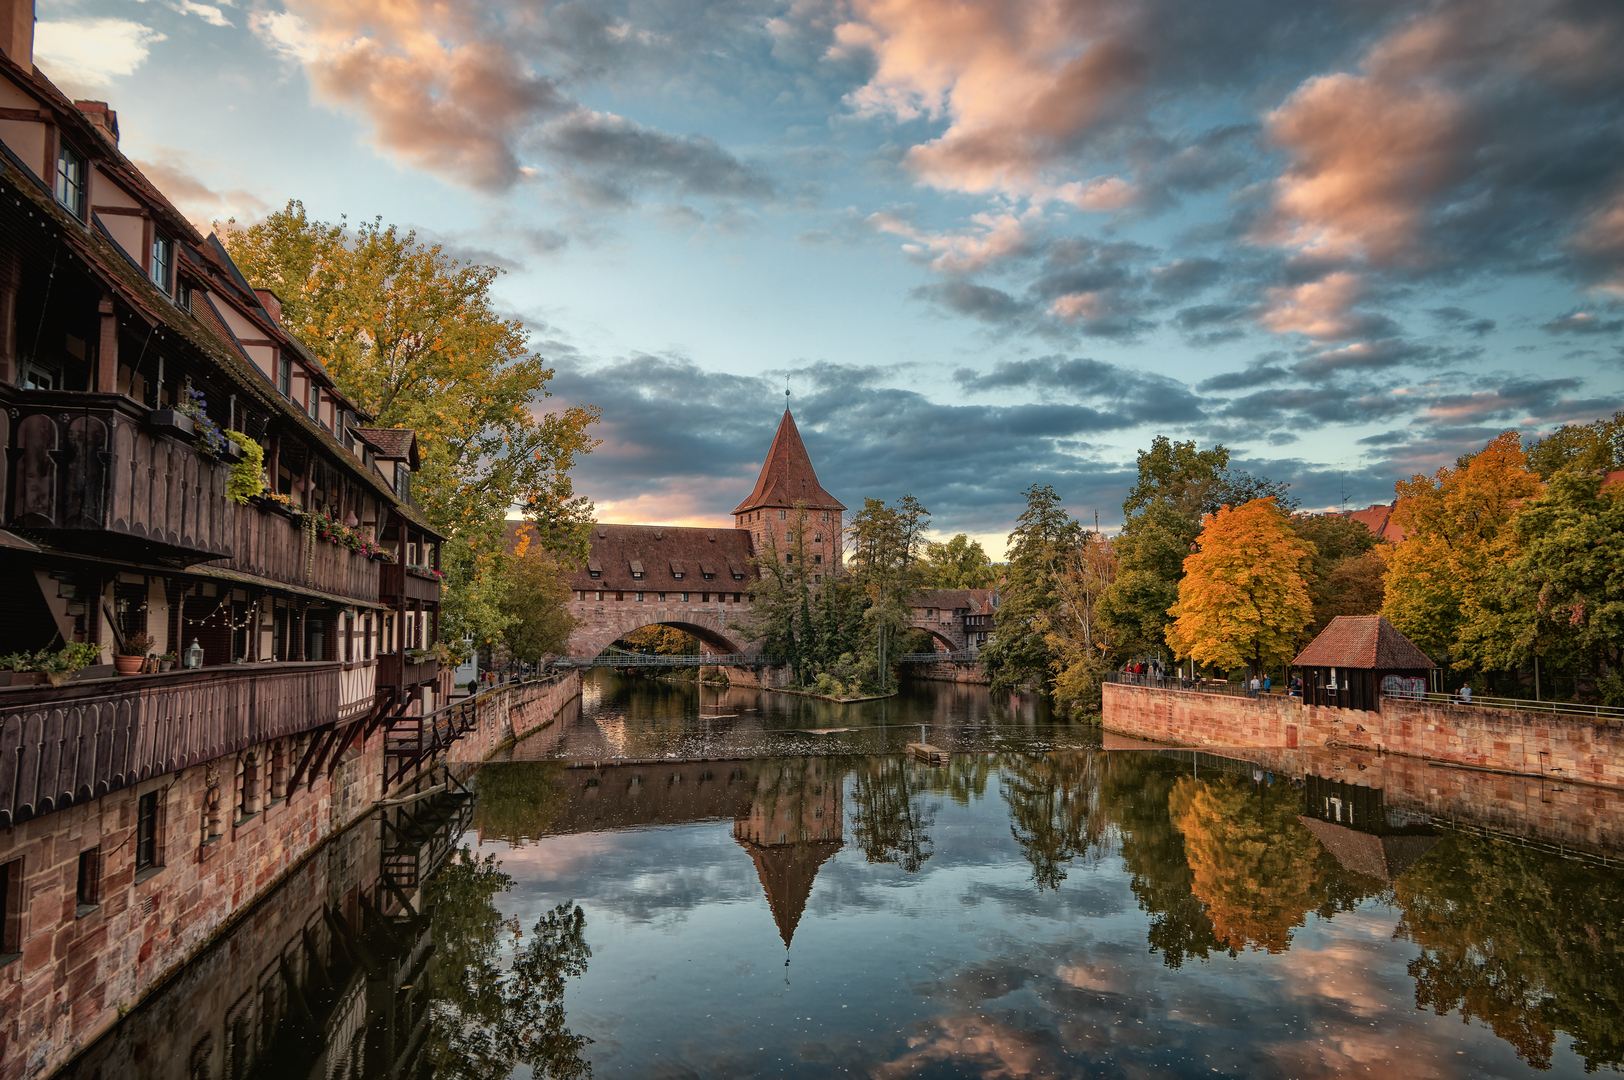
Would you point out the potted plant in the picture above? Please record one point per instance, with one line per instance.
(131, 652)
(167, 661)
(55, 666)
(247, 479)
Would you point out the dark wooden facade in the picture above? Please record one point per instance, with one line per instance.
(1359, 659)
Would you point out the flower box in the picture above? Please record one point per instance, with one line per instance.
(171, 422)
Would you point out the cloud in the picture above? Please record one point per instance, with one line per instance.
(86, 55)
(1322, 309)
(176, 175)
(992, 238)
(608, 158)
(1457, 318)
(1135, 396)
(1582, 322)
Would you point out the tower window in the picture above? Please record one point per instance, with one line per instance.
(88, 890)
(783, 515)
(148, 830)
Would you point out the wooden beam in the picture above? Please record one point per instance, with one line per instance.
(310, 752)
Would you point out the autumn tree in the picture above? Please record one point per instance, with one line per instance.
(1244, 598)
(662, 641)
(1178, 485)
(1078, 640)
(959, 563)
(411, 335)
(1448, 582)
(1043, 540)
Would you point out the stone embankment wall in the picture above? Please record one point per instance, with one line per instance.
(973, 674)
(517, 712)
(1528, 743)
(75, 965)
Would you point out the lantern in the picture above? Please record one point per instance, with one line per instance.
(194, 655)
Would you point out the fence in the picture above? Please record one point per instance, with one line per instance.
(1175, 682)
(1551, 708)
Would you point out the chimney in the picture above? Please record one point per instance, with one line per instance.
(17, 32)
(100, 116)
(271, 303)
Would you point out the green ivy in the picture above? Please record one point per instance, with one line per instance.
(247, 475)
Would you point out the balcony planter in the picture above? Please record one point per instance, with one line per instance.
(171, 422)
(129, 665)
(24, 678)
(232, 452)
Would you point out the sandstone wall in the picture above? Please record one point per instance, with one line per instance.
(516, 712)
(1527, 743)
(76, 969)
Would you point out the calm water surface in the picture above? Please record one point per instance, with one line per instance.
(1022, 913)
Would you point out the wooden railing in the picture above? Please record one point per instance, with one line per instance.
(397, 581)
(82, 465)
(65, 745)
(271, 545)
(392, 667)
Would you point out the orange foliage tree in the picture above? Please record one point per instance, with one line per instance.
(1450, 576)
(1244, 598)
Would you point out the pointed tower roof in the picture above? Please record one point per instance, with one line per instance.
(786, 872)
(787, 476)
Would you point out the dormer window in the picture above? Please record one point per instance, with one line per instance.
(313, 406)
(677, 574)
(163, 261)
(284, 377)
(709, 577)
(595, 574)
(70, 179)
(738, 577)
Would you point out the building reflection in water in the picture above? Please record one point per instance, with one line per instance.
(794, 825)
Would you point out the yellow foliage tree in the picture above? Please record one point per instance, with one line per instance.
(1244, 598)
(1450, 573)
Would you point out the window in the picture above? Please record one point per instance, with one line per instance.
(148, 833)
(684, 598)
(735, 598)
(88, 891)
(313, 406)
(639, 598)
(600, 597)
(783, 515)
(738, 577)
(620, 596)
(704, 598)
(595, 574)
(662, 598)
(677, 574)
(284, 377)
(163, 259)
(183, 293)
(366, 633)
(817, 538)
(70, 179)
(638, 574)
(825, 518)
(817, 557)
(817, 579)
(789, 558)
(11, 909)
(708, 577)
(349, 638)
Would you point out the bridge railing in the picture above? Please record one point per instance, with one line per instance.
(966, 656)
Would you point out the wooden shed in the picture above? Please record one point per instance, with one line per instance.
(1356, 660)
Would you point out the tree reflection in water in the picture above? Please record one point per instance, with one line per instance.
(1524, 941)
(889, 821)
(487, 1020)
(1053, 809)
(1257, 869)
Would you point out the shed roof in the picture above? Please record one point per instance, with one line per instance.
(1362, 643)
(787, 476)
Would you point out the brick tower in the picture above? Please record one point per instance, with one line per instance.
(768, 514)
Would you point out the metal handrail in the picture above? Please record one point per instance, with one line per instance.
(965, 656)
(1558, 708)
(1194, 686)
(622, 659)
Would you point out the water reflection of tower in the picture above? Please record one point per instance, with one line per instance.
(794, 826)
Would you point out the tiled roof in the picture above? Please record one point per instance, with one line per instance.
(976, 600)
(662, 551)
(391, 444)
(787, 476)
(1379, 520)
(1362, 643)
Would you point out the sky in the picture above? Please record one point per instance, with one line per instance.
(984, 245)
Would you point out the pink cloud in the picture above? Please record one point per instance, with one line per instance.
(1320, 309)
(1020, 83)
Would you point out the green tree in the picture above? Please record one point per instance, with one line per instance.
(1079, 642)
(886, 544)
(890, 822)
(1244, 597)
(1346, 577)
(1594, 447)
(1045, 536)
(411, 336)
(960, 563)
(1053, 814)
(1563, 596)
(535, 605)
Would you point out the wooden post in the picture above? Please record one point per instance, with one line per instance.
(10, 282)
(106, 381)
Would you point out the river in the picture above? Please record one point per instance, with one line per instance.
(814, 905)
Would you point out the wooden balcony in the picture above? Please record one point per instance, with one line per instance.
(271, 545)
(68, 744)
(398, 583)
(393, 671)
(82, 466)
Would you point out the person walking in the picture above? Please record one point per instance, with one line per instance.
(1255, 685)
(1265, 684)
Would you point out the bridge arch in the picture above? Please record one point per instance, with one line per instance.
(601, 625)
(947, 644)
